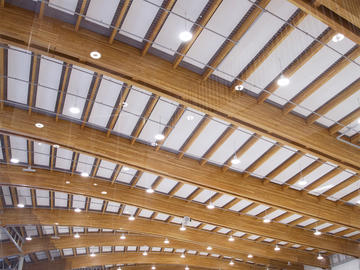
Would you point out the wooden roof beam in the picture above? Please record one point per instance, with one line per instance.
(2, 77)
(63, 86)
(80, 15)
(196, 31)
(270, 47)
(297, 64)
(144, 158)
(91, 98)
(345, 121)
(323, 179)
(320, 81)
(159, 23)
(328, 106)
(303, 173)
(33, 78)
(144, 226)
(254, 14)
(119, 19)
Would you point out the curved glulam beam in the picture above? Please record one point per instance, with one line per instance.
(166, 164)
(144, 226)
(111, 239)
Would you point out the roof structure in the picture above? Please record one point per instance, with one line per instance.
(150, 134)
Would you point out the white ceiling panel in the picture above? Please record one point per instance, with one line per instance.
(316, 174)
(230, 146)
(207, 138)
(146, 213)
(285, 53)
(355, 200)
(128, 118)
(184, 127)
(272, 163)
(330, 89)
(113, 207)
(168, 36)
(85, 163)
(61, 199)
(24, 195)
(185, 191)
(126, 175)
(309, 72)
(68, 6)
(101, 12)
(134, 28)
(204, 195)
(78, 201)
(293, 169)
(240, 205)
(146, 180)
(63, 158)
(19, 63)
(351, 129)
(105, 169)
(289, 219)
(340, 111)
(223, 200)
(251, 155)
(340, 194)
(96, 204)
(166, 185)
(106, 98)
(1, 152)
(48, 83)
(158, 120)
(129, 210)
(77, 91)
(262, 30)
(41, 154)
(31, 230)
(226, 17)
(161, 216)
(7, 195)
(257, 210)
(342, 176)
(18, 148)
(42, 197)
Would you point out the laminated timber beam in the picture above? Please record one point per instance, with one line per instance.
(143, 157)
(330, 18)
(57, 39)
(149, 227)
(110, 239)
(75, 262)
(44, 179)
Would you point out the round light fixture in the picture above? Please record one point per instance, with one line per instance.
(317, 232)
(153, 267)
(320, 257)
(74, 110)
(14, 160)
(209, 248)
(182, 228)
(92, 254)
(166, 241)
(150, 190)
(95, 55)
(182, 255)
(67, 182)
(39, 125)
(187, 268)
(104, 192)
(210, 206)
(239, 87)
(283, 81)
(76, 235)
(119, 268)
(231, 238)
(159, 137)
(77, 210)
(250, 256)
(277, 248)
(95, 184)
(338, 37)
(145, 253)
(266, 220)
(131, 218)
(185, 36)
(235, 160)
(123, 237)
(84, 174)
(231, 262)
(28, 238)
(20, 205)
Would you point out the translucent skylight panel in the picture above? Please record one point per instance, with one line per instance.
(68, 6)
(24, 195)
(85, 164)
(113, 207)
(340, 194)
(204, 195)
(126, 175)
(240, 205)
(96, 204)
(106, 169)
(63, 158)
(146, 180)
(41, 154)
(223, 200)
(146, 213)
(18, 148)
(102, 13)
(185, 191)
(42, 197)
(78, 201)
(166, 185)
(316, 174)
(18, 71)
(7, 195)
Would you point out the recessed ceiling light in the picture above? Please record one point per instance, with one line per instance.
(182, 228)
(95, 184)
(103, 192)
(231, 262)
(358, 202)
(39, 125)
(20, 205)
(283, 81)
(56, 223)
(145, 253)
(235, 160)
(67, 182)
(28, 238)
(119, 268)
(123, 237)
(150, 190)
(187, 268)
(166, 241)
(231, 238)
(239, 87)
(266, 220)
(320, 257)
(190, 117)
(250, 256)
(95, 55)
(209, 248)
(317, 232)
(337, 37)
(125, 169)
(302, 182)
(153, 267)
(131, 218)
(185, 36)
(92, 254)
(74, 110)
(76, 235)
(277, 248)
(14, 160)
(84, 174)
(182, 255)
(358, 120)
(56, 146)
(77, 210)
(210, 206)
(159, 137)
